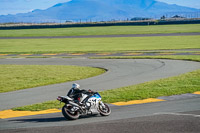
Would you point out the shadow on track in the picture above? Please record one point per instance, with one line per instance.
(55, 119)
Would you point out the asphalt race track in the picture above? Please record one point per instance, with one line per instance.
(120, 73)
(180, 115)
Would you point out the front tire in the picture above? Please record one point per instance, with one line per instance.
(68, 114)
(104, 111)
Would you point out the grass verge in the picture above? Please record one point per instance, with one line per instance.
(40, 106)
(107, 30)
(185, 83)
(16, 77)
(173, 57)
(87, 45)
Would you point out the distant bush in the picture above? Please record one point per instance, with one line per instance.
(104, 23)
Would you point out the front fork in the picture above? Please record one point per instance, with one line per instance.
(102, 104)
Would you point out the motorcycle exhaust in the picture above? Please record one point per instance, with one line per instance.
(76, 105)
(72, 103)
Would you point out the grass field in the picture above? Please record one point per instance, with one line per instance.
(16, 77)
(109, 30)
(186, 83)
(68, 45)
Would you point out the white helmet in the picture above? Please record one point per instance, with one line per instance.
(75, 86)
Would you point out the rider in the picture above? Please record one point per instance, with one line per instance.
(75, 92)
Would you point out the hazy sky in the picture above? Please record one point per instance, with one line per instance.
(23, 6)
(188, 3)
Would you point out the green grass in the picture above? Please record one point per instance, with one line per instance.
(16, 77)
(41, 106)
(108, 30)
(97, 44)
(174, 57)
(185, 83)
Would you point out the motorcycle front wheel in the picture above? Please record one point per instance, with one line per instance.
(68, 114)
(104, 111)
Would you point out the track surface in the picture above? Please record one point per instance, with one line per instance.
(120, 73)
(154, 117)
(105, 36)
(171, 116)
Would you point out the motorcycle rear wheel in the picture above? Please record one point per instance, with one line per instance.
(104, 111)
(70, 115)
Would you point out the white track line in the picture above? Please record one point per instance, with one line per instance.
(178, 114)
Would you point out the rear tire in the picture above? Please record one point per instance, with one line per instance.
(104, 111)
(70, 115)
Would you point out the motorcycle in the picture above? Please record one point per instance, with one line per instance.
(87, 105)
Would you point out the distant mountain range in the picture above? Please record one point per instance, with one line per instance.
(99, 10)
